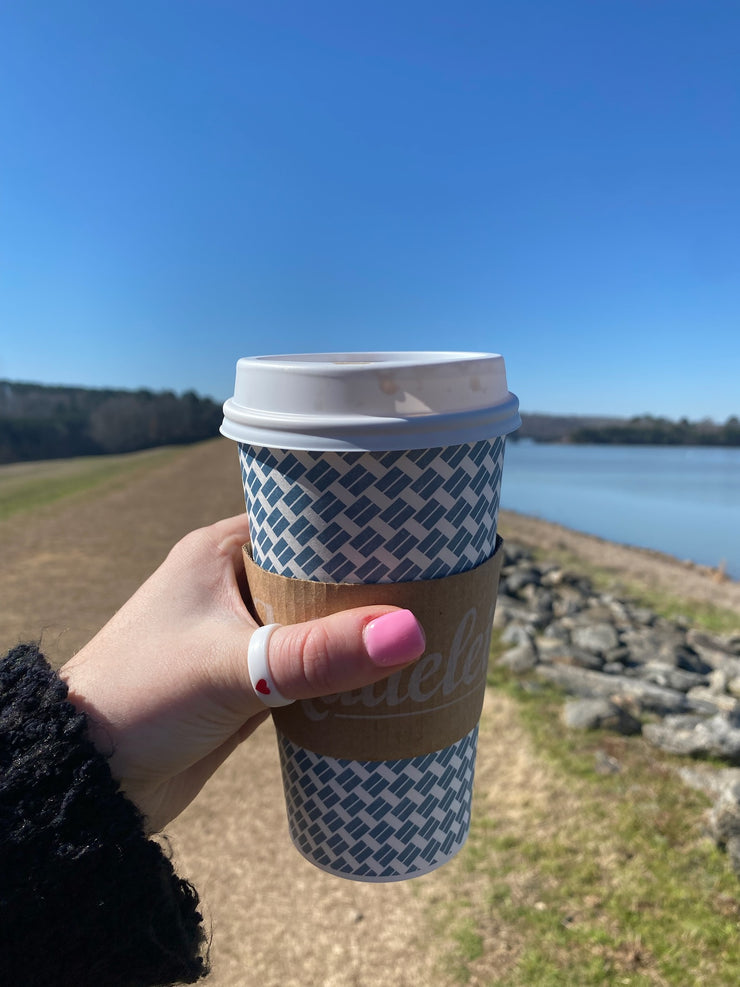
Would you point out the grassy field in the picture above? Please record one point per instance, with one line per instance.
(587, 863)
(29, 486)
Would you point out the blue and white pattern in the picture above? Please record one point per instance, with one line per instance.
(367, 517)
(375, 517)
(379, 820)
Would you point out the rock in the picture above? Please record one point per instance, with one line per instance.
(557, 631)
(515, 582)
(667, 626)
(715, 651)
(652, 698)
(521, 659)
(590, 684)
(547, 646)
(517, 633)
(640, 615)
(539, 598)
(620, 654)
(712, 642)
(615, 654)
(675, 734)
(515, 553)
(559, 577)
(567, 602)
(651, 644)
(733, 643)
(508, 609)
(720, 701)
(689, 660)
(567, 623)
(613, 667)
(605, 764)
(553, 577)
(732, 846)
(597, 637)
(581, 584)
(588, 714)
(539, 621)
(728, 664)
(697, 736)
(596, 612)
(570, 655)
(599, 714)
(711, 781)
(724, 824)
(618, 609)
(724, 818)
(718, 680)
(670, 677)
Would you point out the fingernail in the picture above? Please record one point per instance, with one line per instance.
(394, 638)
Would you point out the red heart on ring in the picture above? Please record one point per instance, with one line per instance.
(263, 687)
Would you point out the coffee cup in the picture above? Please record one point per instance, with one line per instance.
(373, 478)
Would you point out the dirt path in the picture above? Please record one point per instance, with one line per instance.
(276, 920)
(279, 922)
(67, 567)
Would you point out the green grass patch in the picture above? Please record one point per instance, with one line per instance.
(612, 882)
(704, 615)
(28, 486)
(455, 924)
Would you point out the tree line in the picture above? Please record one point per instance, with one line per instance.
(557, 428)
(41, 422)
(639, 430)
(48, 422)
(649, 430)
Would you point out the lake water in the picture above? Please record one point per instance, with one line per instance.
(683, 500)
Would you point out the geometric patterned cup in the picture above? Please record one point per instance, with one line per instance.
(376, 515)
(373, 517)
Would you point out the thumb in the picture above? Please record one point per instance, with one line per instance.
(342, 652)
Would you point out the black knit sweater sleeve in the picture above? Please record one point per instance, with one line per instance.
(85, 897)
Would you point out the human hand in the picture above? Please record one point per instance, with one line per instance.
(165, 683)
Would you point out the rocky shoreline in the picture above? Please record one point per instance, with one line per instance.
(664, 573)
(625, 668)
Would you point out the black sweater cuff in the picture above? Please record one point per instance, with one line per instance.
(85, 897)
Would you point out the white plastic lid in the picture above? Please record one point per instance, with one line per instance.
(369, 401)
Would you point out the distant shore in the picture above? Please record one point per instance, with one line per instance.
(679, 578)
(638, 430)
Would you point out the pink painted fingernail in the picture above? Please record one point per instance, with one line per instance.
(394, 638)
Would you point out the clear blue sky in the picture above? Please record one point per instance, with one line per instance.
(183, 182)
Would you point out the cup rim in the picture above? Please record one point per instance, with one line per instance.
(370, 401)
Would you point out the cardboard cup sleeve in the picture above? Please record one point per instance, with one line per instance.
(425, 707)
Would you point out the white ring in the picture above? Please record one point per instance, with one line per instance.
(259, 669)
